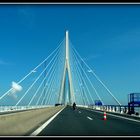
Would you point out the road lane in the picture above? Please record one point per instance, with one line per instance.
(77, 123)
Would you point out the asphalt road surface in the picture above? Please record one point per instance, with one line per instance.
(85, 122)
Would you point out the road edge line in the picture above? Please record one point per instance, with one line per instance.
(38, 130)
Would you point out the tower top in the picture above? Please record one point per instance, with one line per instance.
(67, 45)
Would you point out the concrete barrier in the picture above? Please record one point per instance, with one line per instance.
(23, 123)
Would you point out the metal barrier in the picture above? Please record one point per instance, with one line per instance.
(111, 108)
(18, 108)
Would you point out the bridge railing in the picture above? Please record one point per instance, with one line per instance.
(111, 108)
(18, 108)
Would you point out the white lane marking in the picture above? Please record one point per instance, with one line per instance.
(117, 116)
(37, 131)
(89, 118)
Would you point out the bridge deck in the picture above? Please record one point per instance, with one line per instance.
(84, 122)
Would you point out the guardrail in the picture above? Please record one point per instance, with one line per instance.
(18, 108)
(114, 108)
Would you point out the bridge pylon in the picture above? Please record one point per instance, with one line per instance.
(67, 70)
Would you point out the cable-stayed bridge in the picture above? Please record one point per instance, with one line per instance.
(51, 88)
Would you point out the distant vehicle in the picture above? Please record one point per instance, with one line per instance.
(57, 104)
(98, 102)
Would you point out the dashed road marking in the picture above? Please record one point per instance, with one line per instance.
(89, 118)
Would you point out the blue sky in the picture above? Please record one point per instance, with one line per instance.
(106, 36)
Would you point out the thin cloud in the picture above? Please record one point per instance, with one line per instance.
(4, 63)
(90, 57)
(26, 17)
